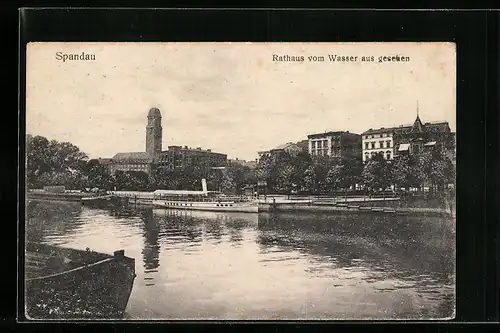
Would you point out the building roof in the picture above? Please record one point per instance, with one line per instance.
(190, 149)
(285, 146)
(331, 133)
(132, 156)
(154, 112)
(303, 143)
(416, 126)
(104, 160)
(379, 130)
(404, 147)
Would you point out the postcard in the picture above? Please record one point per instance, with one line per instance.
(240, 181)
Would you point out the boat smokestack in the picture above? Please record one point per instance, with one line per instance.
(204, 185)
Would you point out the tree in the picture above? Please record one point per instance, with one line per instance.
(36, 159)
(285, 180)
(214, 179)
(51, 162)
(140, 180)
(309, 179)
(375, 173)
(335, 177)
(352, 168)
(402, 172)
(302, 162)
(437, 169)
(228, 185)
(239, 174)
(321, 166)
(265, 170)
(96, 175)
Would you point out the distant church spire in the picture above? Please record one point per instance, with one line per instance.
(417, 125)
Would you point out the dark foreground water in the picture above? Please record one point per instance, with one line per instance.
(206, 265)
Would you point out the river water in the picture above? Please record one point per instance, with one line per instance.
(244, 266)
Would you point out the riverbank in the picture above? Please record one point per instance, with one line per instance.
(353, 209)
(72, 197)
(350, 208)
(350, 205)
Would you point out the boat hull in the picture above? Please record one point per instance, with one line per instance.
(97, 290)
(230, 206)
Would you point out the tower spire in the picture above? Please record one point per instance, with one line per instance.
(417, 125)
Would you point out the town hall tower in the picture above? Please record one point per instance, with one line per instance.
(154, 133)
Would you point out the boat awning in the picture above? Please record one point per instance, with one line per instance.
(429, 144)
(404, 147)
(175, 192)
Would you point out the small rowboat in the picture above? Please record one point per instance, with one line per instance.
(63, 283)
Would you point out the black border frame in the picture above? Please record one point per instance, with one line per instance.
(475, 34)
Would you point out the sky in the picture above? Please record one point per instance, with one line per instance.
(231, 97)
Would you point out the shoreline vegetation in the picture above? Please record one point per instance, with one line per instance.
(424, 181)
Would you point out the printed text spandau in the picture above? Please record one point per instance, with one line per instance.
(340, 58)
(82, 56)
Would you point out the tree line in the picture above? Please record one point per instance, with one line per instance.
(284, 173)
(62, 163)
(52, 163)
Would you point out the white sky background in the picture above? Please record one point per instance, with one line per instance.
(230, 97)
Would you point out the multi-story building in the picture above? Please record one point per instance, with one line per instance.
(378, 141)
(408, 139)
(140, 161)
(304, 145)
(176, 157)
(237, 161)
(291, 148)
(335, 144)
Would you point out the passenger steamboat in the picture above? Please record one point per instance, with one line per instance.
(203, 200)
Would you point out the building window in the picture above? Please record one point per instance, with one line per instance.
(381, 143)
(388, 143)
(373, 145)
(366, 145)
(388, 154)
(367, 156)
(313, 144)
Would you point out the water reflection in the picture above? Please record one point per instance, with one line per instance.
(151, 251)
(422, 244)
(211, 265)
(46, 219)
(196, 226)
(391, 254)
